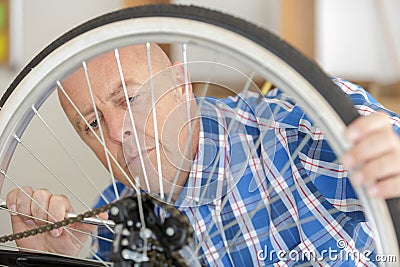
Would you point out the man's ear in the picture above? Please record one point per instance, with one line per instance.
(180, 81)
(179, 73)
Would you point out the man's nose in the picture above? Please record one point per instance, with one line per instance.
(115, 126)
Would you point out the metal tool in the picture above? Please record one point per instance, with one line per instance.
(92, 220)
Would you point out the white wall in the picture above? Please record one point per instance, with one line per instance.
(264, 13)
(45, 20)
(356, 39)
(359, 39)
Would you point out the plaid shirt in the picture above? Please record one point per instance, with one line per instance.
(271, 203)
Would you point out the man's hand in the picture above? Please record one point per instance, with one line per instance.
(375, 156)
(41, 207)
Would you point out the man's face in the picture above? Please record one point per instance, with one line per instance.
(119, 134)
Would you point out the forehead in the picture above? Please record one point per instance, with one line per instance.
(103, 76)
(103, 72)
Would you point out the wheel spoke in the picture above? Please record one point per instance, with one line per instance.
(155, 123)
(47, 168)
(66, 151)
(188, 144)
(125, 175)
(71, 229)
(137, 180)
(52, 217)
(114, 183)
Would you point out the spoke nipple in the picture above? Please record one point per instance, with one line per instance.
(84, 66)
(114, 210)
(17, 138)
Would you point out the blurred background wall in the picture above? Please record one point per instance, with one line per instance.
(358, 40)
(41, 22)
(32, 27)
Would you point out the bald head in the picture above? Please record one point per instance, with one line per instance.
(100, 100)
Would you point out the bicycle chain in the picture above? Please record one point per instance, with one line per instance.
(48, 227)
(56, 225)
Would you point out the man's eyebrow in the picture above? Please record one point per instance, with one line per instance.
(119, 88)
(90, 110)
(79, 120)
(115, 92)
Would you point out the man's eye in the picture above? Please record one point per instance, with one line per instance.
(93, 124)
(132, 98)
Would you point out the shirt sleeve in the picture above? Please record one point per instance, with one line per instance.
(321, 163)
(102, 237)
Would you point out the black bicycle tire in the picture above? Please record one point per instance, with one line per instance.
(17, 259)
(308, 69)
(304, 66)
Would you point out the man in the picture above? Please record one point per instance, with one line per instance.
(276, 227)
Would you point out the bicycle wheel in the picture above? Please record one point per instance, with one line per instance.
(208, 43)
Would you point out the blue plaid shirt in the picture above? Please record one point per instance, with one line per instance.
(270, 203)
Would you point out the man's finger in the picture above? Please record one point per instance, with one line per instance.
(58, 207)
(11, 200)
(387, 188)
(377, 169)
(365, 125)
(23, 204)
(40, 206)
(371, 147)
